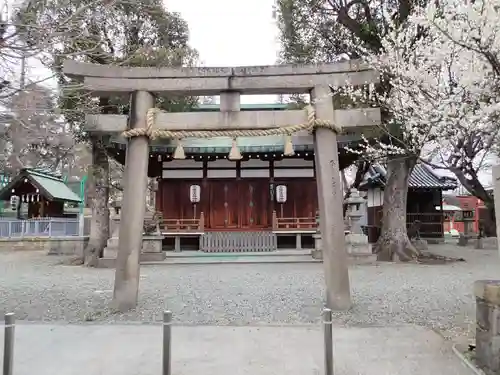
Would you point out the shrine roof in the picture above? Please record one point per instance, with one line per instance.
(51, 185)
(422, 177)
(221, 145)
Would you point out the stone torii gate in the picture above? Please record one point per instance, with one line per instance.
(144, 123)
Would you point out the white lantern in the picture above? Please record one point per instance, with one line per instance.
(281, 193)
(13, 202)
(194, 193)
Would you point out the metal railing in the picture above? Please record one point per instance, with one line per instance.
(42, 227)
(9, 338)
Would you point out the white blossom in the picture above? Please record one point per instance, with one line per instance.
(443, 66)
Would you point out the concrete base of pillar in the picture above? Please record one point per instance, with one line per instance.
(487, 293)
(317, 254)
(151, 251)
(357, 244)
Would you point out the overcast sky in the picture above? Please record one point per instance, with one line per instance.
(229, 33)
(225, 33)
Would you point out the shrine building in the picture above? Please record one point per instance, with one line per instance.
(209, 201)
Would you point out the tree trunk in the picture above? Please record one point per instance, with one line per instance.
(393, 240)
(488, 222)
(99, 225)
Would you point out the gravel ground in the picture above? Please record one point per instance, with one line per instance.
(38, 288)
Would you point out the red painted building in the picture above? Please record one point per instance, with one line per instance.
(470, 212)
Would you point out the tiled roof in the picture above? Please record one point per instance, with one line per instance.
(422, 177)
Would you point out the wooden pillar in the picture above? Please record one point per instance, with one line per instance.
(441, 212)
(330, 205)
(135, 181)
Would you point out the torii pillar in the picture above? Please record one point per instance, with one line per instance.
(335, 262)
(135, 181)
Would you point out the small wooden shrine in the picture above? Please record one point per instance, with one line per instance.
(44, 193)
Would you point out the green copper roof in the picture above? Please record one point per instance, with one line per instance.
(52, 186)
(224, 144)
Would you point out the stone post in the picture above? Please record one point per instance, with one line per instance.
(496, 193)
(330, 205)
(135, 182)
(111, 250)
(81, 224)
(317, 252)
(487, 294)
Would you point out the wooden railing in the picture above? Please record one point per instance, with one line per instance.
(294, 223)
(431, 224)
(183, 225)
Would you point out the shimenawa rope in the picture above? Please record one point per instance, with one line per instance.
(149, 131)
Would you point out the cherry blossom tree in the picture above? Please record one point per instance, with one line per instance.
(328, 30)
(444, 74)
(439, 68)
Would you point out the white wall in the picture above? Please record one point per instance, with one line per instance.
(375, 197)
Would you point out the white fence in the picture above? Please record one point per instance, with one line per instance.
(43, 227)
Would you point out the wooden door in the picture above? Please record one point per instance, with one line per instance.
(305, 198)
(175, 201)
(171, 200)
(224, 204)
(254, 204)
(302, 198)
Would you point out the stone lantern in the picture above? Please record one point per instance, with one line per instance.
(356, 240)
(114, 227)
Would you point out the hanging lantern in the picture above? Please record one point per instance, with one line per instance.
(32, 198)
(38, 197)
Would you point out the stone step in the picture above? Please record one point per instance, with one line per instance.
(200, 254)
(190, 258)
(239, 259)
